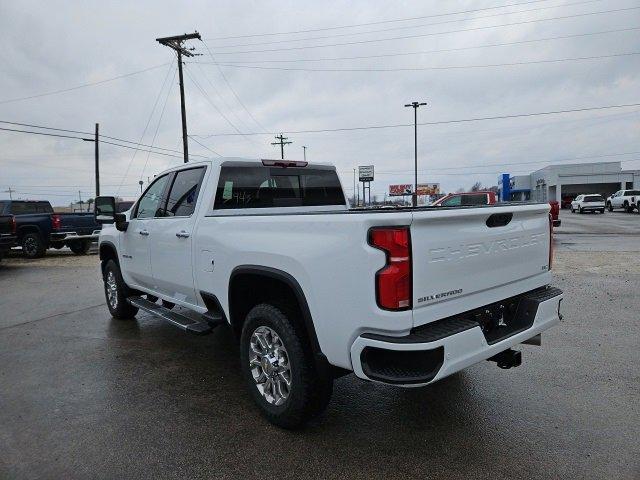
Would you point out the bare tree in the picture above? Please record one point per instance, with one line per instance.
(476, 187)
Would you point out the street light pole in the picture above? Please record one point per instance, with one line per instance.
(415, 106)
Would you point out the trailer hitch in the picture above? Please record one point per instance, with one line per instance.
(507, 359)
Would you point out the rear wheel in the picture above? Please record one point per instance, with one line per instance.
(80, 247)
(278, 367)
(573, 210)
(602, 210)
(33, 246)
(116, 292)
(609, 206)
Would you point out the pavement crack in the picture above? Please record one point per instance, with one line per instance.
(52, 316)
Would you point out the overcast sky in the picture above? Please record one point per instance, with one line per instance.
(50, 46)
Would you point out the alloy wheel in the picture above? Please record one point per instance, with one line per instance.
(269, 365)
(111, 288)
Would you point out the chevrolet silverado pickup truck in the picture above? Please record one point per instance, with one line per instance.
(38, 227)
(7, 234)
(313, 290)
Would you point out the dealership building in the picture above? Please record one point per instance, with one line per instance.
(557, 181)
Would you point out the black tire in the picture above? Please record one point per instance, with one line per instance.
(573, 210)
(602, 210)
(33, 245)
(581, 211)
(119, 308)
(609, 206)
(309, 392)
(80, 247)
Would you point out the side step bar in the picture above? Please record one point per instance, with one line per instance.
(203, 327)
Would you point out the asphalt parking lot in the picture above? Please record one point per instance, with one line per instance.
(86, 396)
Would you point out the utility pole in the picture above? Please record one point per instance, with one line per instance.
(282, 143)
(415, 106)
(175, 43)
(354, 188)
(304, 152)
(97, 157)
(10, 192)
(80, 199)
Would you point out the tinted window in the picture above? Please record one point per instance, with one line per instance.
(184, 192)
(151, 204)
(43, 207)
(123, 206)
(593, 198)
(629, 192)
(474, 199)
(452, 201)
(264, 187)
(2, 206)
(23, 208)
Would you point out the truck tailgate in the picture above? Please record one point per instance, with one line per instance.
(469, 257)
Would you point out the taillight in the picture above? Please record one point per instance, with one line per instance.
(393, 281)
(56, 222)
(13, 225)
(550, 241)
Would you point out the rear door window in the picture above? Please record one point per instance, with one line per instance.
(453, 201)
(184, 192)
(265, 187)
(479, 199)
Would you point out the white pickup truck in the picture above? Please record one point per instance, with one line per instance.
(314, 290)
(625, 199)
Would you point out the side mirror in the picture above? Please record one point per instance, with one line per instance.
(105, 213)
(105, 210)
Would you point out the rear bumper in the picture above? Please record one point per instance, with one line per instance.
(70, 236)
(444, 347)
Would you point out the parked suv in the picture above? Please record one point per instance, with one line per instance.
(622, 199)
(590, 202)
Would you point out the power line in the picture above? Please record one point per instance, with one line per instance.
(430, 34)
(84, 85)
(405, 27)
(204, 146)
(155, 134)
(221, 97)
(224, 77)
(441, 122)
(212, 103)
(423, 52)
(444, 67)
(155, 104)
(83, 133)
(46, 134)
(380, 22)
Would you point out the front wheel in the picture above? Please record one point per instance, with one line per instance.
(610, 207)
(116, 292)
(278, 367)
(602, 210)
(573, 210)
(581, 210)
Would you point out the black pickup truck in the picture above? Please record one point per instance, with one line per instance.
(38, 227)
(7, 234)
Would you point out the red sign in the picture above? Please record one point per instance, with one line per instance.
(400, 190)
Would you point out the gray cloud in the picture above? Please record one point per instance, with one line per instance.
(56, 45)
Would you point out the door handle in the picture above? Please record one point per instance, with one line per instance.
(182, 234)
(144, 233)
